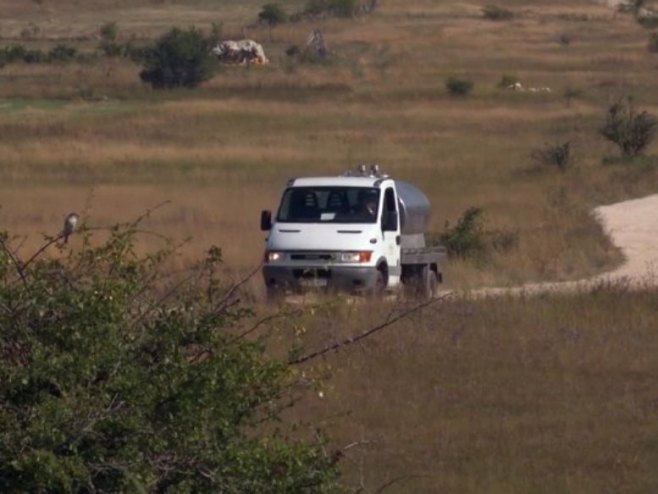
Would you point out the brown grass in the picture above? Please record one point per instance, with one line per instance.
(546, 394)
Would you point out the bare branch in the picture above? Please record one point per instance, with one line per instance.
(18, 264)
(262, 321)
(222, 303)
(43, 248)
(399, 479)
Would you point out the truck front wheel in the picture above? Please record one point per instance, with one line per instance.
(379, 286)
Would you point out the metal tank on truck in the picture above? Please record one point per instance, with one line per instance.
(361, 232)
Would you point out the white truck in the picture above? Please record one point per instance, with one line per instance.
(360, 232)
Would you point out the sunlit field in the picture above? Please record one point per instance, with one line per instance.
(91, 135)
(555, 393)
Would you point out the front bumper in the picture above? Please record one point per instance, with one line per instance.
(343, 278)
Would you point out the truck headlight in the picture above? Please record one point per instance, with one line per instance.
(355, 257)
(273, 256)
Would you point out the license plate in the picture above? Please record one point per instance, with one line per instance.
(313, 282)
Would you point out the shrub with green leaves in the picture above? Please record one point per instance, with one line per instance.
(179, 59)
(62, 53)
(114, 379)
(653, 43)
(338, 8)
(109, 31)
(507, 81)
(466, 238)
(459, 87)
(495, 13)
(630, 130)
(111, 49)
(554, 155)
(35, 56)
(272, 14)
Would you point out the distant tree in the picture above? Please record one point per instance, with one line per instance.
(109, 31)
(630, 130)
(272, 15)
(114, 380)
(338, 8)
(495, 13)
(459, 87)
(179, 59)
(556, 155)
(62, 53)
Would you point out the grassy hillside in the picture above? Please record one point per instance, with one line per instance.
(91, 133)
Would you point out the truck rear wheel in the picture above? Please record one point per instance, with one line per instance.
(423, 283)
(430, 283)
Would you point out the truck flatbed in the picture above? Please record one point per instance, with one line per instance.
(423, 255)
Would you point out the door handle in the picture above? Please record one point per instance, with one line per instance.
(397, 240)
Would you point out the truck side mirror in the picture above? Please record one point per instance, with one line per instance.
(265, 220)
(391, 224)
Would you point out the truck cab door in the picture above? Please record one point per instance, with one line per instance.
(390, 228)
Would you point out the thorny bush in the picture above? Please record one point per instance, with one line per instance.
(114, 379)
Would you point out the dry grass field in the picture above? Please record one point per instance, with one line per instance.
(553, 394)
(92, 135)
(547, 394)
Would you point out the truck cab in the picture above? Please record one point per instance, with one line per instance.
(343, 232)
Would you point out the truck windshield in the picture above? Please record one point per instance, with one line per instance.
(329, 205)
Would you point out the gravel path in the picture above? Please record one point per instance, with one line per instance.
(633, 227)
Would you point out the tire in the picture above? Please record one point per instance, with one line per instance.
(379, 288)
(428, 283)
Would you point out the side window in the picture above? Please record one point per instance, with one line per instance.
(389, 205)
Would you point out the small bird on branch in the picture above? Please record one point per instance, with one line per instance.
(70, 222)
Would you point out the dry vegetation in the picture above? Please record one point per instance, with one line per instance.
(220, 153)
(555, 394)
(546, 394)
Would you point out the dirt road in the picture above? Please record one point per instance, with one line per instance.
(633, 227)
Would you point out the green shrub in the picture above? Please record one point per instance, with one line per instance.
(653, 43)
(109, 31)
(14, 53)
(179, 59)
(565, 39)
(631, 6)
(459, 87)
(648, 21)
(344, 8)
(62, 53)
(338, 8)
(111, 49)
(571, 93)
(506, 81)
(216, 29)
(35, 56)
(630, 130)
(557, 155)
(113, 380)
(466, 238)
(272, 14)
(495, 13)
